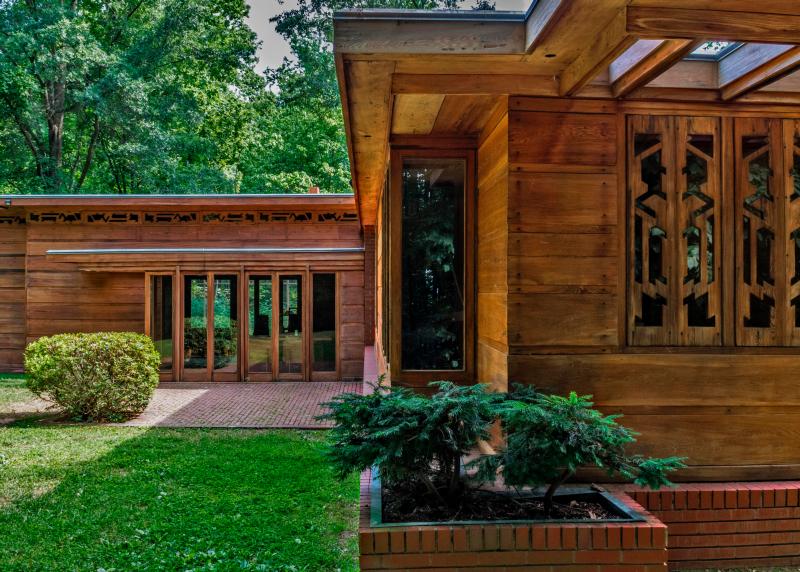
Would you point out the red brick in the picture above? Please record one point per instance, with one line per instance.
(444, 540)
(553, 534)
(628, 537)
(428, 538)
(692, 499)
(644, 556)
(491, 540)
(460, 543)
(522, 537)
(584, 538)
(680, 499)
(404, 561)
(769, 498)
(569, 537)
(755, 498)
(644, 537)
(614, 534)
(730, 499)
(539, 538)
(381, 542)
(412, 540)
(366, 543)
(598, 557)
(743, 498)
(653, 501)
(706, 499)
(659, 536)
(598, 537)
(397, 540)
(667, 500)
(475, 537)
(506, 538)
(780, 497)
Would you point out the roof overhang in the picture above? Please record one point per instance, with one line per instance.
(203, 202)
(433, 72)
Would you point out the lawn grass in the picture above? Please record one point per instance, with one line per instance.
(12, 389)
(101, 498)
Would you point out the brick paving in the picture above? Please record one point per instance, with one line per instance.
(286, 405)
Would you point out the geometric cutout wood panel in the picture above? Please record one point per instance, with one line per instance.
(675, 214)
(699, 212)
(761, 294)
(792, 237)
(651, 190)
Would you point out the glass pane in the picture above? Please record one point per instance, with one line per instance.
(324, 328)
(161, 318)
(195, 322)
(226, 324)
(290, 334)
(260, 324)
(433, 264)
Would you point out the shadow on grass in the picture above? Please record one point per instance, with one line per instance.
(124, 498)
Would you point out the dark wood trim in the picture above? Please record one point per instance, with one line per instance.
(421, 378)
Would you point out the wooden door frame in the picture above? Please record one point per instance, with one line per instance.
(246, 374)
(224, 376)
(172, 373)
(421, 377)
(334, 375)
(194, 375)
(303, 375)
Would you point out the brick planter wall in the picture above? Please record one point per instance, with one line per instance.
(636, 546)
(729, 525)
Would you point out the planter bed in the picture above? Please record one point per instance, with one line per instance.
(637, 542)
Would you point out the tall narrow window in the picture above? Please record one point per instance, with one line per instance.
(226, 324)
(324, 323)
(260, 324)
(195, 322)
(433, 264)
(290, 333)
(161, 327)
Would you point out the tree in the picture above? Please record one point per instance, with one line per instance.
(126, 82)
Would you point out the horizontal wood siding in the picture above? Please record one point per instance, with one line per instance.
(12, 292)
(733, 412)
(492, 254)
(58, 294)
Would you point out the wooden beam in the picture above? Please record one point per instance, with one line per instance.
(415, 114)
(609, 44)
(715, 24)
(434, 36)
(468, 84)
(627, 75)
(754, 67)
(541, 20)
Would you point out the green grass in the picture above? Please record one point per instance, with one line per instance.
(12, 389)
(91, 498)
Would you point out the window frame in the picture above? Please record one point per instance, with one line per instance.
(422, 377)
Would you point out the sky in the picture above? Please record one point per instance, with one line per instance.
(274, 48)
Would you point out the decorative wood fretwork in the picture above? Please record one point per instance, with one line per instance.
(651, 187)
(285, 217)
(54, 217)
(166, 217)
(115, 217)
(229, 217)
(12, 219)
(675, 294)
(759, 214)
(792, 149)
(337, 217)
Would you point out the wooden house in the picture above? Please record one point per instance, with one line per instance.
(597, 196)
(231, 288)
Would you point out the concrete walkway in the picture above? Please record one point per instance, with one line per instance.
(290, 405)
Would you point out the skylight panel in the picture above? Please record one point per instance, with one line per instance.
(713, 50)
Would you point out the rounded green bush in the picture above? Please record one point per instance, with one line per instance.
(105, 376)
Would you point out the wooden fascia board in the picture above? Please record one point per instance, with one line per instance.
(435, 36)
(610, 43)
(660, 23)
(473, 84)
(650, 65)
(343, 95)
(540, 21)
(769, 70)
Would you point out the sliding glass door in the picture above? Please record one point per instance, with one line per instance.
(260, 318)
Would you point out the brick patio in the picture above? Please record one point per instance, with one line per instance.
(292, 405)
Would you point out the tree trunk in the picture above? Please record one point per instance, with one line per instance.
(551, 491)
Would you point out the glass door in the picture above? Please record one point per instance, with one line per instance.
(260, 325)
(159, 320)
(323, 327)
(226, 328)
(195, 328)
(290, 327)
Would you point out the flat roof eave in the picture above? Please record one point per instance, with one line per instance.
(189, 201)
